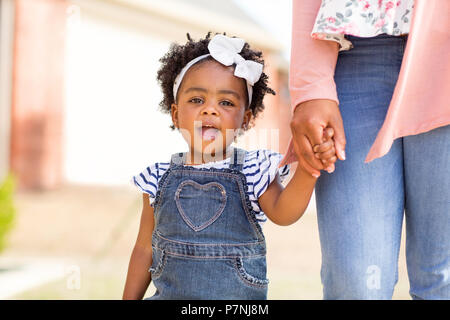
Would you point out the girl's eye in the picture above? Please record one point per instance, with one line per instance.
(227, 103)
(196, 100)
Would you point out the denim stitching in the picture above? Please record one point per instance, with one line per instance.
(247, 278)
(248, 209)
(260, 242)
(171, 253)
(161, 189)
(209, 251)
(235, 175)
(251, 214)
(204, 186)
(157, 271)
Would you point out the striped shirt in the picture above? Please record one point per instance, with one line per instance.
(260, 168)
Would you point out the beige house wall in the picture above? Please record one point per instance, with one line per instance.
(172, 19)
(115, 130)
(84, 95)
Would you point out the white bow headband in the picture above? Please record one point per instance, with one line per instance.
(226, 51)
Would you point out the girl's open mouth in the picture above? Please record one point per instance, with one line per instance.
(209, 133)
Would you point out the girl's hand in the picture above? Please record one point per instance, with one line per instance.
(326, 151)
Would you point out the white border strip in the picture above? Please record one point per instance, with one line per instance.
(7, 12)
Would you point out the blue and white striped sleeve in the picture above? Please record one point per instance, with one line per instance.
(147, 180)
(267, 162)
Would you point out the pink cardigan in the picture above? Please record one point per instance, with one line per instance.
(421, 99)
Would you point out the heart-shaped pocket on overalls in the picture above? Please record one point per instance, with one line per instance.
(200, 204)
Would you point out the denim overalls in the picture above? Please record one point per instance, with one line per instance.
(207, 243)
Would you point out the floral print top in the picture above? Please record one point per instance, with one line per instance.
(361, 18)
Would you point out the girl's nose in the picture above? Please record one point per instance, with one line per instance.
(210, 108)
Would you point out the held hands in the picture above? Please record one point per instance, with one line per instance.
(326, 151)
(309, 125)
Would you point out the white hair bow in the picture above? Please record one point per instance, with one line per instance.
(226, 51)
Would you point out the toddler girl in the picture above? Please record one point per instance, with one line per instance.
(200, 233)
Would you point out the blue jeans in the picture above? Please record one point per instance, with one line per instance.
(360, 206)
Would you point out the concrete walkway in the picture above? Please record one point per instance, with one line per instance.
(19, 274)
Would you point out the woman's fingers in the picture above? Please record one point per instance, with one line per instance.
(330, 164)
(339, 136)
(328, 133)
(329, 161)
(313, 135)
(313, 172)
(330, 168)
(302, 147)
(308, 154)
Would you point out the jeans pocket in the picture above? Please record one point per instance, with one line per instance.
(200, 204)
(252, 271)
(159, 260)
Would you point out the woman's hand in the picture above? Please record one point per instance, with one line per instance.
(308, 123)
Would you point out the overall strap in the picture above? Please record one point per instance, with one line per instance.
(178, 158)
(237, 159)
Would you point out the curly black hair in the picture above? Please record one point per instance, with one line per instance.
(180, 55)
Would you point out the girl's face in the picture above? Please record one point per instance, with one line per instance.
(211, 108)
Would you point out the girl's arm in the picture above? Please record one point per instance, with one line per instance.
(138, 277)
(284, 206)
(311, 78)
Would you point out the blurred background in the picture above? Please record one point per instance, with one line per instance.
(78, 113)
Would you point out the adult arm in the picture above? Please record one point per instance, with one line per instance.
(312, 88)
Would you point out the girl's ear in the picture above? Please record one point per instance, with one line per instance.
(174, 113)
(247, 117)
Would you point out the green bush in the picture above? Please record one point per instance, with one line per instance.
(7, 209)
